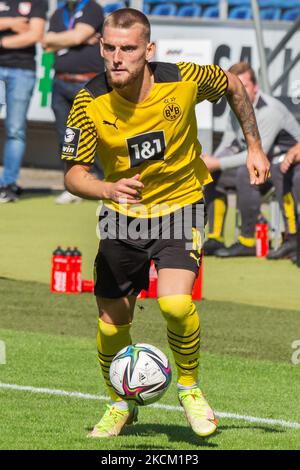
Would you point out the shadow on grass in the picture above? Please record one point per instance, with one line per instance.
(174, 433)
(265, 429)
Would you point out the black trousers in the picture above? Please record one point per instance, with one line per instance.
(249, 197)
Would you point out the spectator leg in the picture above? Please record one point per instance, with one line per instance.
(19, 88)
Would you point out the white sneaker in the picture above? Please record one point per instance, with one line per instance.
(67, 198)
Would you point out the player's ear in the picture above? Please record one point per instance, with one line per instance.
(150, 51)
(101, 46)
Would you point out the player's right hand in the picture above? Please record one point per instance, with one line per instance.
(126, 190)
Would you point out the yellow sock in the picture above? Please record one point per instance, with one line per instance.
(110, 340)
(183, 324)
(220, 209)
(290, 213)
(247, 241)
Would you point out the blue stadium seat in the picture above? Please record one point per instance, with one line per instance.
(205, 2)
(291, 15)
(110, 7)
(197, 2)
(240, 13)
(189, 10)
(270, 14)
(146, 9)
(239, 3)
(211, 12)
(167, 9)
(269, 3)
(286, 3)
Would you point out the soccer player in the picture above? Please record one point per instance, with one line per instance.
(141, 116)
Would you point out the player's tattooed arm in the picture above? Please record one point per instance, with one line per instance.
(257, 162)
(241, 105)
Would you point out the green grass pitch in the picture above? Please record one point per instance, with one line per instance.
(250, 318)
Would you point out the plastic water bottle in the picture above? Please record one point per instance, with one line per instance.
(76, 264)
(262, 241)
(59, 271)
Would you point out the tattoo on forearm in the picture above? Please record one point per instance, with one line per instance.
(241, 105)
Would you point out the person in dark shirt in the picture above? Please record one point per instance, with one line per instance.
(21, 27)
(290, 168)
(73, 35)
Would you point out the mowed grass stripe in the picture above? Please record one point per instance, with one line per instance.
(86, 396)
(226, 327)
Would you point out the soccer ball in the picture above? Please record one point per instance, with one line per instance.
(141, 373)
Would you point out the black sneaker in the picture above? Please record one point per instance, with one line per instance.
(294, 258)
(211, 246)
(287, 250)
(7, 195)
(237, 249)
(15, 188)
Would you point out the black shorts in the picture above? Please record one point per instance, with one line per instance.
(128, 245)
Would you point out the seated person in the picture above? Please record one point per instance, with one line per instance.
(279, 132)
(290, 168)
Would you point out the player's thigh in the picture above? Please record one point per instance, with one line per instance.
(178, 257)
(175, 282)
(116, 311)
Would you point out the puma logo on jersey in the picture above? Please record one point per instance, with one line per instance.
(114, 124)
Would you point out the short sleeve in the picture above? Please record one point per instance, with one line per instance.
(80, 140)
(211, 80)
(93, 16)
(39, 9)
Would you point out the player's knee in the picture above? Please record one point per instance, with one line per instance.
(110, 330)
(176, 306)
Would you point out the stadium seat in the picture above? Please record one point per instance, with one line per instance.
(205, 2)
(240, 13)
(239, 3)
(189, 10)
(270, 13)
(291, 15)
(286, 3)
(211, 12)
(110, 7)
(166, 9)
(198, 2)
(146, 9)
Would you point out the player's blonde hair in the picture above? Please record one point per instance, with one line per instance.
(125, 18)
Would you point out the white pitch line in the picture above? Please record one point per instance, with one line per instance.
(87, 396)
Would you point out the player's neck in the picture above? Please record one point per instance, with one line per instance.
(140, 89)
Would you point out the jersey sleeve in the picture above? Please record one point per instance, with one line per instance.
(39, 9)
(93, 16)
(80, 140)
(211, 80)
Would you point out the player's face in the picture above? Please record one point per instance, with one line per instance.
(251, 88)
(125, 52)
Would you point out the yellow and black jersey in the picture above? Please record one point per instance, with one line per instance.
(156, 138)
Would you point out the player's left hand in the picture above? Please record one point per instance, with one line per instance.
(212, 163)
(258, 165)
(292, 156)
